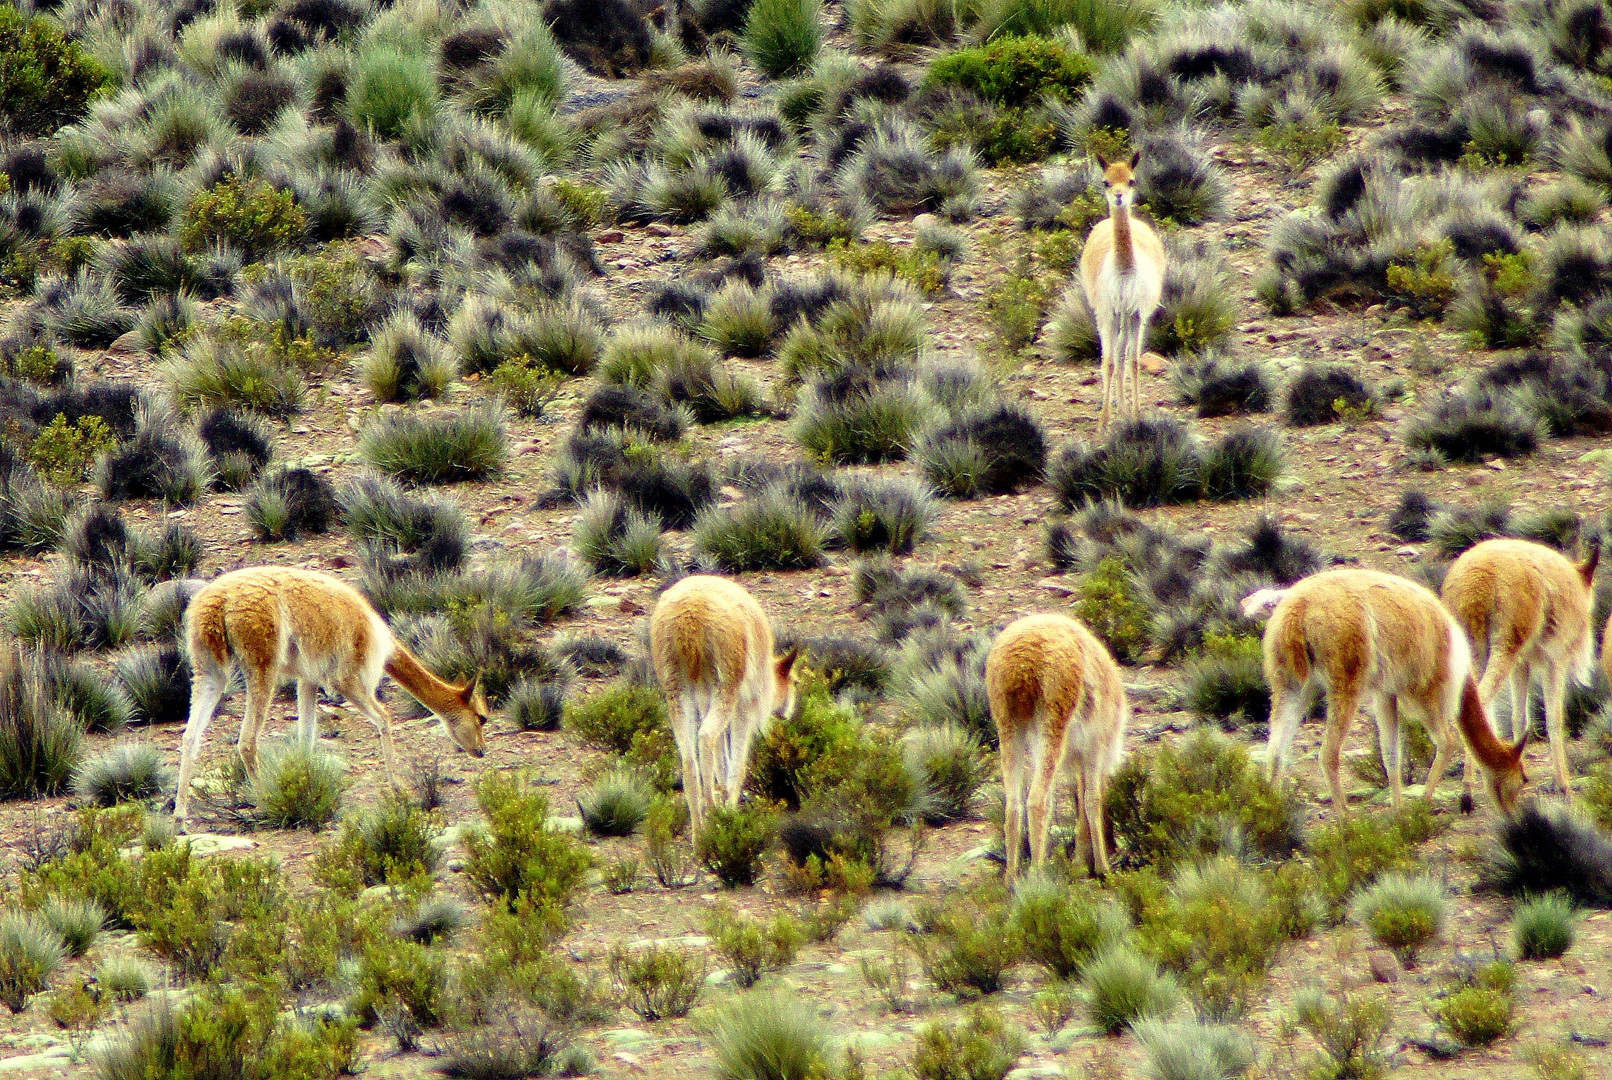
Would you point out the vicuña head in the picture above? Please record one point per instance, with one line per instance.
(274, 622)
(1119, 180)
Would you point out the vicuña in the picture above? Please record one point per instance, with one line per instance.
(275, 622)
(1058, 700)
(1526, 609)
(1122, 271)
(1364, 635)
(713, 652)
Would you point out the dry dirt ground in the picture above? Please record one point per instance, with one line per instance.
(1342, 482)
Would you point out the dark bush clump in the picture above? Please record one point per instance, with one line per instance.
(1321, 394)
(1463, 428)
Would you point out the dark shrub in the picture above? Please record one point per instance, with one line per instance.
(1315, 392)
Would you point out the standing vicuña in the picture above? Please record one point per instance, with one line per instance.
(712, 648)
(1057, 699)
(1527, 611)
(270, 622)
(1357, 633)
(1122, 270)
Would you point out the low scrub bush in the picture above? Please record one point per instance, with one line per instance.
(402, 986)
(1014, 71)
(1225, 681)
(1065, 924)
(1478, 1008)
(627, 718)
(1351, 854)
(296, 786)
(1109, 603)
(48, 80)
(254, 217)
(521, 861)
(40, 743)
(657, 982)
(732, 842)
(751, 947)
(1348, 1030)
(971, 942)
(393, 843)
(981, 1046)
(1190, 798)
(1543, 929)
(30, 952)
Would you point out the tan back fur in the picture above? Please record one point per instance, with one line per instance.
(1361, 634)
(712, 648)
(272, 623)
(1058, 700)
(1122, 273)
(1526, 610)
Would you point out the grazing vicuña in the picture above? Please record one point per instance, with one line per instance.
(271, 622)
(1057, 699)
(712, 648)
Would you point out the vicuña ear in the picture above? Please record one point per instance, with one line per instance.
(785, 664)
(471, 689)
(1586, 569)
(1136, 155)
(1102, 162)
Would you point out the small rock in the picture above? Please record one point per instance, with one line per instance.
(1384, 968)
(611, 236)
(1498, 465)
(1055, 587)
(1152, 363)
(655, 228)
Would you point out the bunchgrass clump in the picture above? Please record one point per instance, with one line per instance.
(289, 505)
(952, 766)
(296, 786)
(157, 679)
(1463, 428)
(856, 419)
(1191, 1050)
(616, 539)
(1321, 395)
(1402, 913)
(128, 772)
(30, 952)
(437, 448)
(882, 515)
(781, 37)
(1543, 929)
(1123, 986)
(40, 742)
(615, 804)
(768, 1036)
(77, 922)
(769, 531)
(123, 978)
(1225, 681)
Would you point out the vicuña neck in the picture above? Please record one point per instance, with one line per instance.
(1124, 254)
(440, 697)
(1491, 753)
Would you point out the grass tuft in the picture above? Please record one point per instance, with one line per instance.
(296, 786)
(769, 531)
(768, 1036)
(1122, 986)
(437, 448)
(1543, 929)
(128, 772)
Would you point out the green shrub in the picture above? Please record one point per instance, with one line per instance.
(672, 861)
(296, 786)
(1300, 143)
(1064, 924)
(63, 451)
(1188, 799)
(773, 1036)
(30, 952)
(389, 844)
(526, 385)
(657, 982)
(45, 80)
(1543, 928)
(1110, 606)
(220, 1034)
(216, 915)
(1014, 71)
(520, 860)
(732, 841)
(784, 758)
(615, 804)
(1194, 1050)
(627, 718)
(982, 1046)
(1103, 26)
(1122, 986)
(1478, 1009)
(1225, 680)
(752, 947)
(1348, 1033)
(76, 922)
(781, 37)
(970, 944)
(402, 984)
(253, 216)
(1402, 913)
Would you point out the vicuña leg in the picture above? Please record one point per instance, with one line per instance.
(1091, 812)
(1388, 742)
(685, 715)
(1136, 322)
(1555, 690)
(1288, 705)
(713, 735)
(1343, 702)
(206, 691)
(1012, 754)
(1044, 755)
(1109, 344)
(364, 700)
(308, 711)
(259, 697)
